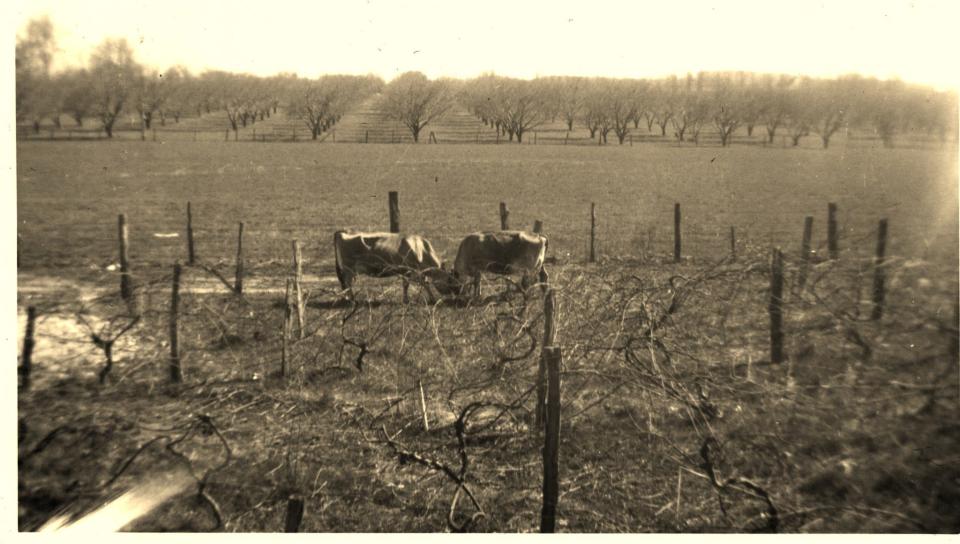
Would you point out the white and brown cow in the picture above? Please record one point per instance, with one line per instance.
(385, 254)
(501, 252)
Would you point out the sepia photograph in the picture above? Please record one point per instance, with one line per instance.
(489, 267)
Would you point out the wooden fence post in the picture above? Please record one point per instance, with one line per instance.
(538, 227)
(238, 277)
(294, 515)
(879, 272)
(393, 202)
(733, 245)
(805, 252)
(298, 278)
(677, 242)
(593, 232)
(126, 286)
(366, 136)
(190, 253)
(549, 336)
(551, 446)
(832, 244)
(504, 216)
(176, 373)
(285, 330)
(776, 306)
(26, 361)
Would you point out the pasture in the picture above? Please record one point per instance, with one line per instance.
(670, 400)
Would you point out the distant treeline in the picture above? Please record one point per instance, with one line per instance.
(114, 83)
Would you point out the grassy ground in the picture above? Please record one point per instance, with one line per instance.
(855, 432)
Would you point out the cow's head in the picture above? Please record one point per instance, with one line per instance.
(447, 283)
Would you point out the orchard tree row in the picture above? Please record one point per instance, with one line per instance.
(114, 84)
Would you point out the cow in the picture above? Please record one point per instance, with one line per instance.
(502, 252)
(385, 254)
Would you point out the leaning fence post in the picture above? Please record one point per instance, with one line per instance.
(551, 446)
(393, 201)
(294, 515)
(126, 287)
(593, 232)
(298, 278)
(26, 361)
(676, 233)
(176, 373)
(549, 335)
(832, 244)
(504, 216)
(190, 253)
(776, 306)
(805, 252)
(238, 277)
(879, 272)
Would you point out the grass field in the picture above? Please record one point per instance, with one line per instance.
(857, 431)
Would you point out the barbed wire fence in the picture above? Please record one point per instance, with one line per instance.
(449, 393)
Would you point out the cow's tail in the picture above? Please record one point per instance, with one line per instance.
(338, 258)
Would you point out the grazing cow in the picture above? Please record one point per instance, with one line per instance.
(384, 254)
(501, 252)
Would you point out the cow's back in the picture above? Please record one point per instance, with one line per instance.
(502, 252)
(384, 253)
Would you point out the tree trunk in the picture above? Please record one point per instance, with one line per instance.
(147, 119)
(108, 128)
(569, 125)
(593, 133)
(826, 140)
(56, 121)
(796, 139)
(621, 136)
(771, 133)
(36, 126)
(750, 130)
(78, 117)
(416, 134)
(519, 136)
(663, 128)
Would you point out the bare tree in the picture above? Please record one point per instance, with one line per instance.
(33, 57)
(78, 97)
(776, 103)
(320, 103)
(727, 110)
(114, 74)
(827, 107)
(416, 101)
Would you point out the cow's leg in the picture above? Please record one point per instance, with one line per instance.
(406, 287)
(346, 281)
(544, 278)
(476, 287)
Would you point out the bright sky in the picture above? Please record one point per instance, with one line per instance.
(913, 40)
